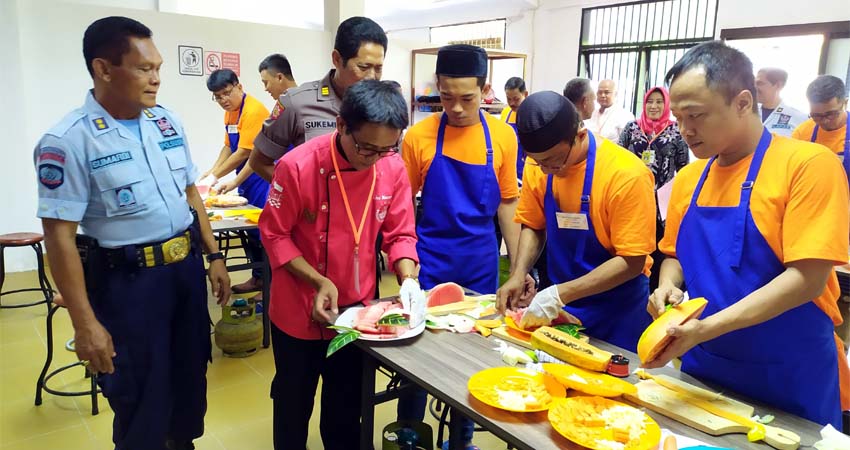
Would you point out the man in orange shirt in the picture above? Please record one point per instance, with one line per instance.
(593, 203)
(829, 119)
(755, 230)
(243, 120)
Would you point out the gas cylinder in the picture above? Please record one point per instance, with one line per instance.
(239, 333)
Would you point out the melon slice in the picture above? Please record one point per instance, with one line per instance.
(655, 338)
(444, 294)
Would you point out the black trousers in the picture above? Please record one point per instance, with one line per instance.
(299, 364)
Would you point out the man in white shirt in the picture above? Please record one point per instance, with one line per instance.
(776, 115)
(610, 119)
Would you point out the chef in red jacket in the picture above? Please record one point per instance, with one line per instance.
(329, 200)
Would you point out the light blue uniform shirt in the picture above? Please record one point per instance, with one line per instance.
(93, 170)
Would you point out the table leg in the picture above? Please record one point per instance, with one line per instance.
(267, 281)
(456, 441)
(367, 403)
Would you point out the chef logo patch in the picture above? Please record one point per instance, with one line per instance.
(125, 196)
(381, 212)
(165, 127)
(51, 175)
(275, 194)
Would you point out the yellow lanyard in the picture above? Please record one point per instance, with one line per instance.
(354, 229)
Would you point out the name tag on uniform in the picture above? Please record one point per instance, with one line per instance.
(232, 129)
(572, 221)
(648, 157)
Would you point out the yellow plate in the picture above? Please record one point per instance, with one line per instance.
(589, 382)
(579, 419)
(514, 326)
(515, 389)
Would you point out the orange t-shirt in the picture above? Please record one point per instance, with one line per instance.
(465, 144)
(799, 204)
(834, 140)
(250, 123)
(504, 116)
(622, 200)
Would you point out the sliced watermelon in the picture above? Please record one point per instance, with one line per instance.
(444, 294)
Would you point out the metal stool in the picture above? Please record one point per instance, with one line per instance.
(41, 384)
(13, 240)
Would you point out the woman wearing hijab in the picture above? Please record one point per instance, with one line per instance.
(656, 140)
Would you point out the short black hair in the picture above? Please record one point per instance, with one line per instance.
(576, 89)
(109, 38)
(275, 64)
(356, 31)
(826, 88)
(775, 75)
(373, 101)
(220, 79)
(515, 83)
(727, 70)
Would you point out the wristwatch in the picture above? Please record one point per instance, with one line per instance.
(214, 256)
(411, 276)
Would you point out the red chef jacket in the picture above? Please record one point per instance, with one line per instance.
(305, 216)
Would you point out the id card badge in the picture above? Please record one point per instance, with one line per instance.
(572, 221)
(648, 157)
(231, 129)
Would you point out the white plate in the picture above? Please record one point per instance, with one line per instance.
(347, 318)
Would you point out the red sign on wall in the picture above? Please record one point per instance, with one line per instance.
(230, 61)
(221, 60)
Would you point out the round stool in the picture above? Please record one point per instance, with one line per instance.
(13, 240)
(41, 384)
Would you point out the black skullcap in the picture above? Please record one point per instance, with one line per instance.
(544, 119)
(461, 61)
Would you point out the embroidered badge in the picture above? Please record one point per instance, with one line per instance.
(148, 113)
(50, 175)
(277, 110)
(109, 160)
(171, 143)
(165, 127)
(51, 154)
(100, 124)
(126, 198)
(381, 212)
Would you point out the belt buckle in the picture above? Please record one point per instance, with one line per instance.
(175, 250)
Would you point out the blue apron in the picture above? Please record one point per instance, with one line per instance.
(617, 316)
(520, 155)
(457, 236)
(845, 155)
(790, 361)
(254, 188)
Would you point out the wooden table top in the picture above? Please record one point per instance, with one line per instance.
(442, 363)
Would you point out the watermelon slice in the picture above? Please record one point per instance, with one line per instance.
(444, 294)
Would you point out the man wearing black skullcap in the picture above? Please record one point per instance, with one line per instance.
(464, 162)
(593, 203)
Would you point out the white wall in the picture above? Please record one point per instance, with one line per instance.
(557, 24)
(53, 80)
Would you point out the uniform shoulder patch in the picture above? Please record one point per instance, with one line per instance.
(165, 127)
(277, 110)
(99, 123)
(51, 175)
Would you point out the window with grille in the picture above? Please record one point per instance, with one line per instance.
(489, 34)
(636, 43)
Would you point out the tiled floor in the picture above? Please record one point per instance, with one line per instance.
(238, 416)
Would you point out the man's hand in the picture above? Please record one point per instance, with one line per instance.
(93, 343)
(685, 337)
(219, 281)
(208, 180)
(664, 295)
(545, 308)
(413, 300)
(515, 293)
(224, 187)
(325, 309)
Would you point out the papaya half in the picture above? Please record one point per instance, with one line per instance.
(569, 349)
(655, 338)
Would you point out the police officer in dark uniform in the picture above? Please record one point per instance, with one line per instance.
(119, 168)
(310, 110)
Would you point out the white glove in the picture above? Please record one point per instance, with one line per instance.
(413, 301)
(544, 308)
(210, 180)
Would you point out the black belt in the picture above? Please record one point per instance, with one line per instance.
(163, 253)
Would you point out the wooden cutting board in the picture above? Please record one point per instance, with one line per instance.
(469, 303)
(671, 404)
(502, 333)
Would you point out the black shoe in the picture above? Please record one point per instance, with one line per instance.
(171, 444)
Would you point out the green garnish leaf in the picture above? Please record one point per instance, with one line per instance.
(393, 320)
(341, 340)
(571, 329)
(668, 307)
(532, 355)
(340, 328)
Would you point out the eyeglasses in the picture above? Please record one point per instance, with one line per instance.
(372, 151)
(829, 115)
(223, 95)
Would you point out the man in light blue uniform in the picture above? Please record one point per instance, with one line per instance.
(133, 281)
